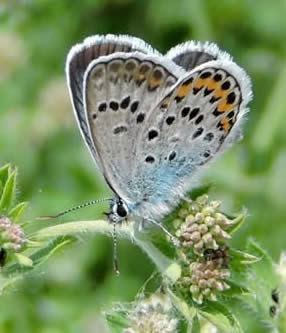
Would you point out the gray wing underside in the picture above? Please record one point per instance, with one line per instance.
(196, 121)
(149, 154)
(78, 59)
(120, 91)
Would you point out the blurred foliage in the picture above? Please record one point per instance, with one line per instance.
(39, 135)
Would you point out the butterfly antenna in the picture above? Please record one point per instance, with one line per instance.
(86, 204)
(115, 254)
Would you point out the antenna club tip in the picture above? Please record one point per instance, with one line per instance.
(117, 272)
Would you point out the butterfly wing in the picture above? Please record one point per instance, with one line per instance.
(78, 59)
(119, 92)
(192, 124)
(192, 54)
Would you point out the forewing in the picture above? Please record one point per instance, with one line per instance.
(189, 127)
(78, 59)
(120, 90)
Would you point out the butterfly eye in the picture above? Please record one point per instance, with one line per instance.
(121, 209)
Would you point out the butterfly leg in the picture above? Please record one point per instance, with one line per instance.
(174, 240)
(142, 225)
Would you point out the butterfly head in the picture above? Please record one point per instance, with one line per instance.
(118, 211)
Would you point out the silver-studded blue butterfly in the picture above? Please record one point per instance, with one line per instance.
(153, 121)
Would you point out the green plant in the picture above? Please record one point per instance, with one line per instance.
(202, 283)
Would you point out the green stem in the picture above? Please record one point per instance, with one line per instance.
(166, 266)
(74, 228)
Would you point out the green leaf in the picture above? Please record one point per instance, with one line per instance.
(237, 223)
(4, 173)
(187, 311)
(236, 289)
(220, 316)
(242, 258)
(8, 194)
(117, 321)
(196, 327)
(262, 279)
(198, 191)
(16, 213)
(23, 260)
(40, 256)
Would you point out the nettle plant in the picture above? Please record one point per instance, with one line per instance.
(202, 285)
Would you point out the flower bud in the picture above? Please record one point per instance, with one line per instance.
(153, 315)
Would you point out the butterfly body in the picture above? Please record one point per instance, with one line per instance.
(152, 122)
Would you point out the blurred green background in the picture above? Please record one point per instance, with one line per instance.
(38, 134)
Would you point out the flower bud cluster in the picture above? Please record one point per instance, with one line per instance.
(203, 226)
(11, 235)
(206, 279)
(153, 315)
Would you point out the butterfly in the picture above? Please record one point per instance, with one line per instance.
(151, 121)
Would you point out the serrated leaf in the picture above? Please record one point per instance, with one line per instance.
(237, 223)
(116, 321)
(220, 316)
(257, 250)
(262, 279)
(4, 173)
(8, 193)
(23, 260)
(242, 257)
(40, 256)
(16, 213)
(236, 289)
(188, 311)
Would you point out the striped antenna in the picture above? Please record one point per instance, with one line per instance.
(86, 204)
(115, 252)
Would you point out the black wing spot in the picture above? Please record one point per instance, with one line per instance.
(198, 132)
(178, 99)
(230, 114)
(218, 77)
(113, 105)
(125, 102)
(230, 98)
(94, 116)
(102, 107)
(194, 113)
(216, 113)
(208, 91)
(170, 120)
(149, 159)
(196, 90)
(119, 129)
(189, 81)
(225, 85)
(172, 155)
(134, 106)
(205, 75)
(140, 118)
(219, 126)
(152, 134)
(185, 111)
(207, 154)
(199, 119)
(214, 99)
(208, 137)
